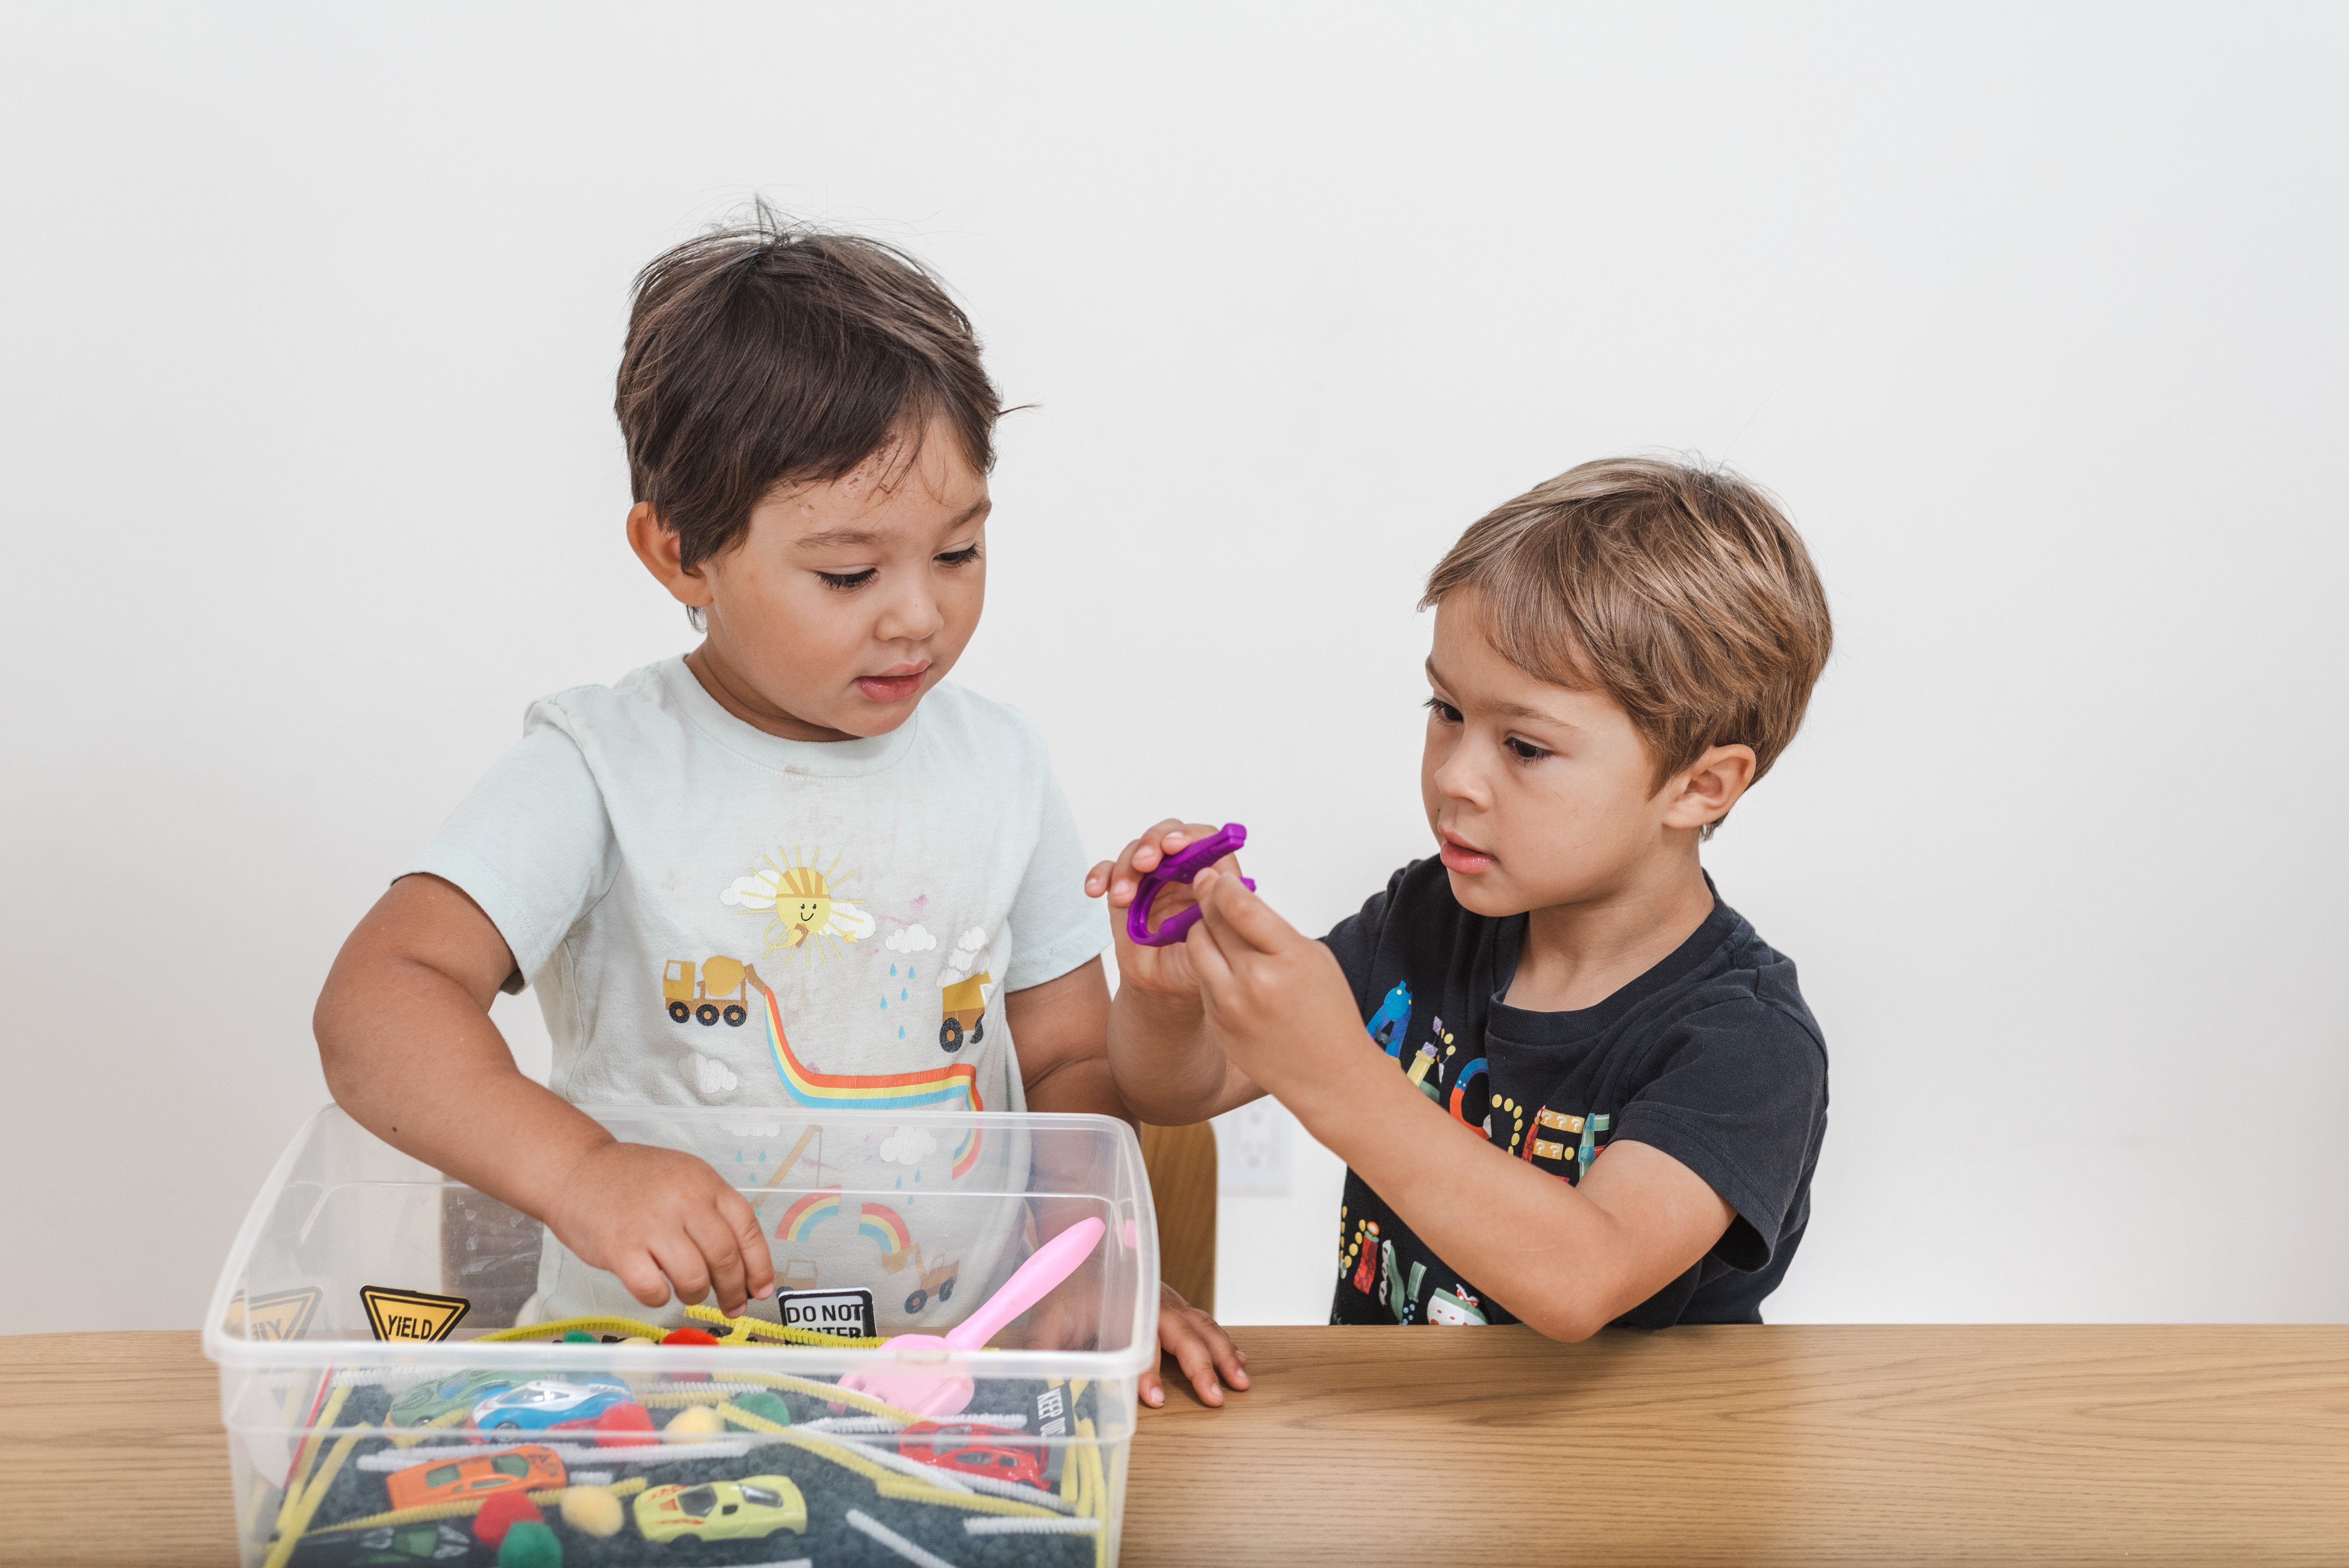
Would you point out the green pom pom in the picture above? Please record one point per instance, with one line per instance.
(529, 1545)
(765, 1402)
(580, 1337)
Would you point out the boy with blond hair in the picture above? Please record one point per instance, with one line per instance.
(1591, 1093)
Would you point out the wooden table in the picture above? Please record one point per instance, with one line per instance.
(1745, 1446)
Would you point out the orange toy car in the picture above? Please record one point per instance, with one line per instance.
(532, 1468)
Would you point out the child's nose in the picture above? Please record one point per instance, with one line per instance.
(911, 616)
(1456, 780)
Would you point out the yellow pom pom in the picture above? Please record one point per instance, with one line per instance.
(592, 1511)
(695, 1421)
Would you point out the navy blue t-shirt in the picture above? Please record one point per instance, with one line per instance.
(1710, 1057)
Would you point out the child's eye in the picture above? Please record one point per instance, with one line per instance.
(1523, 750)
(845, 580)
(963, 557)
(1442, 710)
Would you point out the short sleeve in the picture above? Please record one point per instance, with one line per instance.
(1056, 928)
(532, 845)
(1355, 939)
(1739, 1100)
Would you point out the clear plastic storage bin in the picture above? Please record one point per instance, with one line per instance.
(352, 1449)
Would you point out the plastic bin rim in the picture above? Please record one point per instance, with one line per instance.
(226, 1351)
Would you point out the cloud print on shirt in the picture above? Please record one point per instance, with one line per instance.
(911, 939)
(966, 950)
(708, 1075)
(908, 1146)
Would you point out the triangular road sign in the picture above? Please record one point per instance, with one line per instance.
(412, 1314)
(282, 1315)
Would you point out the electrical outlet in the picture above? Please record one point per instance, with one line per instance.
(1254, 1148)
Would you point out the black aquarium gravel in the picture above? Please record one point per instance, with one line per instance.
(830, 1490)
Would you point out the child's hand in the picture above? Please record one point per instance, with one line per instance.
(1200, 1347)
(645, 1213)
(1165, 970)
(1276, 1000)
(1070, 1318)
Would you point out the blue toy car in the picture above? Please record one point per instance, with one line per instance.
(547, 1404)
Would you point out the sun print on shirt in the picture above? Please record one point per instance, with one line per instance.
(803, 903)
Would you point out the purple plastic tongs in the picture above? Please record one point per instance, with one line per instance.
(1180, 867)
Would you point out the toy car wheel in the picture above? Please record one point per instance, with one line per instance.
(679, 1011)
(707, 1013)
(946, 1291)
(979, 1031)
(950, 1035)
(915, 1302)
(686, 1539)
(735, 1014)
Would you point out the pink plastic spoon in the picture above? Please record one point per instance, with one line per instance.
(947, 1393)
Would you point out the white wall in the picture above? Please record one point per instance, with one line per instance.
(2036, 322)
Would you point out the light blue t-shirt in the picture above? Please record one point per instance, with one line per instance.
(714, 916)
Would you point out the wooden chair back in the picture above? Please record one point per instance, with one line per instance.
(1181, 1161)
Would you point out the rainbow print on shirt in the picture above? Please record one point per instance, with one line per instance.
(808, 1213)
(883, 1223)
(940, 1087)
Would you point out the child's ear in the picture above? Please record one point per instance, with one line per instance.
(1708, 787)
(661, 550)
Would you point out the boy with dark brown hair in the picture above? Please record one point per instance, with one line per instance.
(1619, 653)
(794, 867)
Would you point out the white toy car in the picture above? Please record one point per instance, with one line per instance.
(548, 1403)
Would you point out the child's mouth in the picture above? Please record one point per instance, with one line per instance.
(894, 686)
(1462, 857)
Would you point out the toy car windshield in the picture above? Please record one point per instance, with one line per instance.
(761, 1497)
(698, 1501)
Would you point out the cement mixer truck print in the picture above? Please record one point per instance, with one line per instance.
(962, 1007)
(718, 992)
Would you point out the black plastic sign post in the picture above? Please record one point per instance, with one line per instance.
(845, 1314)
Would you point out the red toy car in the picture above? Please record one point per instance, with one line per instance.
(962, 1447)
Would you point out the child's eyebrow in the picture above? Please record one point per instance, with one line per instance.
(853, 538)
(838, 538)
(1505, 709)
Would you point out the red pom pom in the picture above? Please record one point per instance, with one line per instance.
(623, 1424)
(502, 1512)
(688, 1336)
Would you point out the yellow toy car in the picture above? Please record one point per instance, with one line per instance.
(742, 1509)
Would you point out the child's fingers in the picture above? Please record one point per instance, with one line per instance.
(758, 1263)
(1208, 964)
(1226, 903)
(1224, 1353)
(1179, 1339)
(681, 1259)
(1144, 855)
(1154, 845)
(1154, 1393)
(643, 1277)
(721, 1253)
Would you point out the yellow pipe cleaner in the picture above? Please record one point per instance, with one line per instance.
(751, 1330)
(306, 1456)
(311, 1496)
(558, 1327)
(886, 1481)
